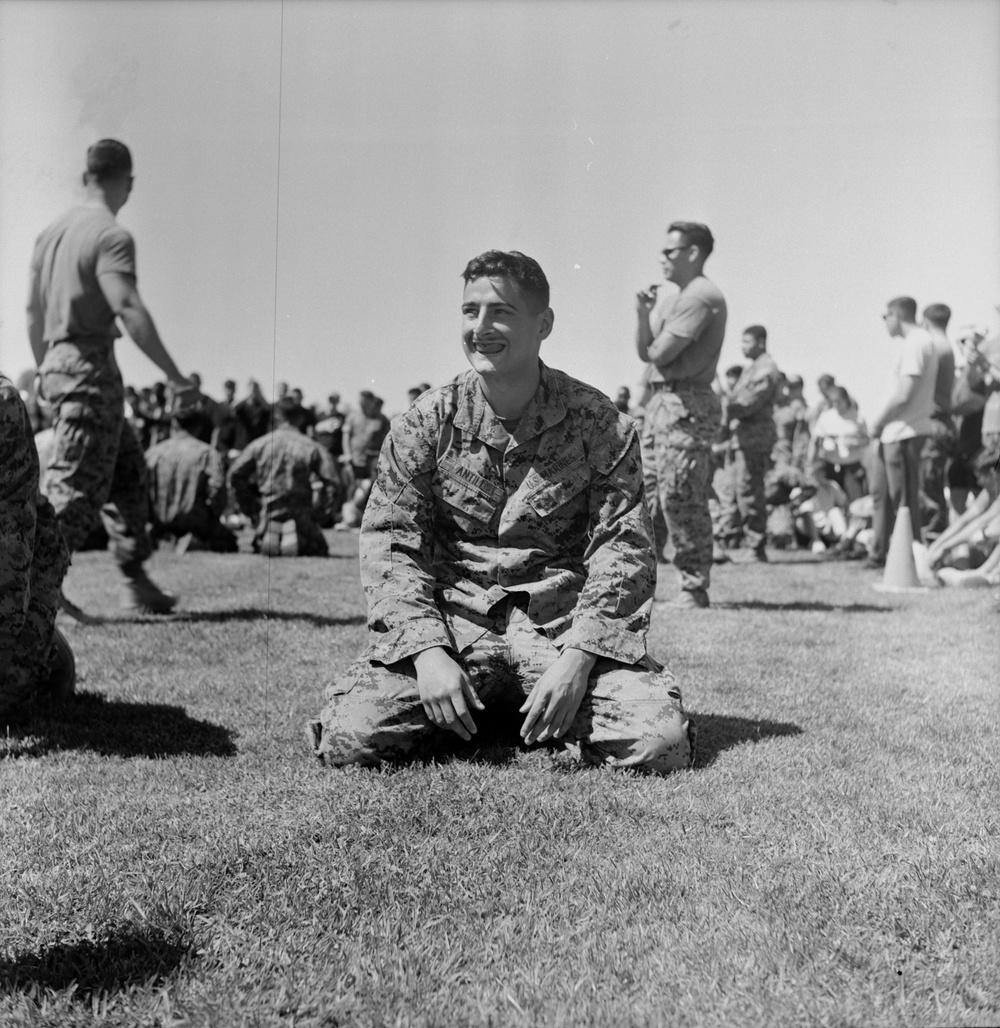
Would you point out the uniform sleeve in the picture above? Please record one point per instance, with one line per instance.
(612, 614)
(216, 492)
(18, 505)
(242, 480)
(397, 545)
(754, 391)
(116, 252)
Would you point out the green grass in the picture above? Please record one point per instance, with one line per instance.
(171, 855)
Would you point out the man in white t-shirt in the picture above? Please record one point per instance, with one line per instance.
(905, 419)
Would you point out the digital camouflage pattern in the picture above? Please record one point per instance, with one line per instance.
(505, 549)
(374, 712)
(751, 406)
(33, 558)
(680, 426)
(272, 481)
(96, 471)
(457, 519)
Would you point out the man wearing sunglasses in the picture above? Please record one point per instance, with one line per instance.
(681, 336)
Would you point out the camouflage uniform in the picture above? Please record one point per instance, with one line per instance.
(272, 481)
(33, 558)
(505, 550)
(752, 405)
(679, 430)
(187, 491)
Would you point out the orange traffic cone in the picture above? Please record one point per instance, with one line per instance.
(900, 568)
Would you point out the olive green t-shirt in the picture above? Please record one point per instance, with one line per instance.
(69, 257)
(697, 312)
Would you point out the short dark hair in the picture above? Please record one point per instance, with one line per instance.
(938, 314)
(525, 271)
(840, 393)
(190, 418)
(695, 234)
(757, 331)
(287, 410)
(734, 371)
(108, 159)
(905, 307)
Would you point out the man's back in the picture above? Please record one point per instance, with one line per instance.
(281, 464)
(185, 476)
(69, 255)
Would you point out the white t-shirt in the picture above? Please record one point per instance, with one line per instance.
(916, 358)
(840, 440)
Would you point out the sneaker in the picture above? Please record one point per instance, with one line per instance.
(144, 596)
(61, 682)
(690, 599)
(873, 564)
(818, 546)
(73, 611)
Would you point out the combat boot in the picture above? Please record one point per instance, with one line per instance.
(143, 595)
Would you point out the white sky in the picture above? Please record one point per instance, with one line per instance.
(312, 176)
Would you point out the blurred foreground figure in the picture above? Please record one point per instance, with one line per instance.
(507, 559)
(83, 276)
(272, 480)
(35, 658)
(681, 336)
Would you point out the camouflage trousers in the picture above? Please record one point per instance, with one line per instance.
(374, 711)
(297, 535)
(29, 633)
(97, 471)
(743, 506)
(678, 432)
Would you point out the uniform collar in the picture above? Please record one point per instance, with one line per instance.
(475, 415)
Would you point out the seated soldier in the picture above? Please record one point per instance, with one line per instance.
(272, 480)
(187, 487)
(35, 659)
(507, 558)
(967, 553)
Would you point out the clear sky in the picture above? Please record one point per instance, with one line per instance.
(312, 176)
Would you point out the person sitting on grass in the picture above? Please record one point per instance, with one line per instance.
(820, 509)
(966, 554)
(272, 480)
(187, 486)
(507, 558)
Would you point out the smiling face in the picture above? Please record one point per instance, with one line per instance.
(501, 333)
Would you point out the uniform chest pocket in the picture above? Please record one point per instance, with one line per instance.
(467, 492)
(547, 495)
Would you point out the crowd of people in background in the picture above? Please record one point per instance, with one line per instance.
(786, 474)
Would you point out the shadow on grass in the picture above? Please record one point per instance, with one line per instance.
(840, 608)
(237, 614)
(718, 732)
(113, 728)
(126, 957)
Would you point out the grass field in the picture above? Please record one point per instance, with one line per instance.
(173, 856)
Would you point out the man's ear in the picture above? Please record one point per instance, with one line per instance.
(546, 321)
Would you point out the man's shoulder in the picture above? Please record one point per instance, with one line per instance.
(584, 396)
(703, 290)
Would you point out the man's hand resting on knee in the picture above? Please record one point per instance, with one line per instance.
(557, 695)
(446, 692)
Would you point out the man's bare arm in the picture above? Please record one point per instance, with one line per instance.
(123, 297)
(36, 319)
